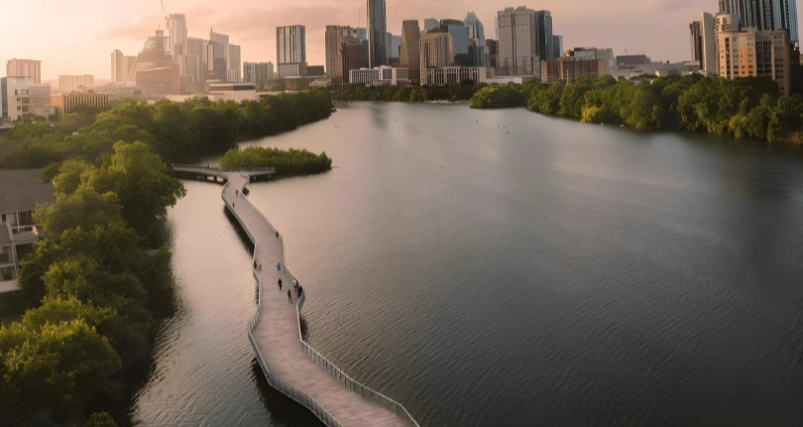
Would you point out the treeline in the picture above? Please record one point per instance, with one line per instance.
(286, 162)
(94, 288)
(453, 93)
(176, 131)
(748, 107)
(97, 282)
(498, 96)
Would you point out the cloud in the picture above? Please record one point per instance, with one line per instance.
(140, 29)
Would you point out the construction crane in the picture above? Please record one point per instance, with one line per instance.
(163, 8)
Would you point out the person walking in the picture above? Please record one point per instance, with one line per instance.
(295, 283)
(260, 266)
(279, 266)
(236, 193)
(280, 283)
(289, 297)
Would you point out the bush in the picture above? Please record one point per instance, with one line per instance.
(498, 96)
(286, 162)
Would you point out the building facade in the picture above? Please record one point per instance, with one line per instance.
(696, 41)
(351, 56)
(435, 50)
(377, 33)
(69, 84)
(493, 52)
(459, 33)
(708, 61)
(756, 53)
(569, 68)
(518, 42)
(235, 63)
(383, 75)
(162, 80)
(557, 47)
(222, 40)
(67, 103)
(452, 75)
(291, 51)
(408, 52)
(25, 68)
(544, 37)
(176, 25)
(24, 98)
(257, 73)
(332, 47)
(478, 47)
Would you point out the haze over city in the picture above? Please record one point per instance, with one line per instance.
(77, 38)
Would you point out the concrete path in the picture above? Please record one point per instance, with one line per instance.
(277, 335)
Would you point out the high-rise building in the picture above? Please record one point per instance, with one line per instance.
(291, 51)
(69, 84)
(518, 42)
(568, 68)
(362, 33)
(25, 68)
(478, 48)
(408, 51)
(177, 29)
(332, 46)
(161, 80)
(544, 37)
(119, 67)
(557, 46)
(235, 63)
(351, 56)
(708, 60)
(377, 33)
(216, 68)
(257, 73)
(430, 24)
(756, 53)
(785, 16)
(696, 41)
(22, 97)
(393, 44)
(459, 33)
(493, 51)
(435, 49)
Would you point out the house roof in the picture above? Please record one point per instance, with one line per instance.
(14, 178)
(25, 198)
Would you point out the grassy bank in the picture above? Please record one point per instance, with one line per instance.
(359, 92)
(96, 286)
(286, 162)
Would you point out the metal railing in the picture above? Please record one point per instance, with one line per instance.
(336, 373)
(300, 397)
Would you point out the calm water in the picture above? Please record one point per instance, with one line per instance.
(500, 268)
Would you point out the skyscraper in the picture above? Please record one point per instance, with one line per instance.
(291, 51)
(785, 16)
(377, 33)
(222, 40)
(25, 68)
(544, 37)
(557, 46)
(435, 49)
(332, 48)
(459, 33)
(351, 56)
(708, 60)
(119, 70)
(257, 73)
(177, 30)
(431, 23)
(696, 41)
(518, 42)
(235, 63)
(408, 52)
(478, 49)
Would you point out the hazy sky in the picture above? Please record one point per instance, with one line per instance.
(78, 36)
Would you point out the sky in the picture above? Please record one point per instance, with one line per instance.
(78, 36)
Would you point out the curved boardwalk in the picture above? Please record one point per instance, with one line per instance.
(276, 331)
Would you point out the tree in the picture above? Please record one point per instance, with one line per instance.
(101, 419)
(84, 208)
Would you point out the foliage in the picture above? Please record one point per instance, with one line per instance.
(454, 93)
(286, 162)
(747, 107)
(177, 132)
(498, 96)
(101, 419)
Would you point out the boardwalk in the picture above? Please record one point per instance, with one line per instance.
(276, 333)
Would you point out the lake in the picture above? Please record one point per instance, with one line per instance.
(502, 268)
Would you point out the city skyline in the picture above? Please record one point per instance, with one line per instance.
(97, 28)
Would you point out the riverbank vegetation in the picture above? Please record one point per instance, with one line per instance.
(95, 287)
(286, 162)
(747, 107)
(498, 96)
(460, 92)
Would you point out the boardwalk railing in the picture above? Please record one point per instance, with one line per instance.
(300, 397)
(266, 169)
(336, 373)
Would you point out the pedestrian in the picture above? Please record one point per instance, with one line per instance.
(260, 266)
(299, 290)
(279, 266)
(255, 265)
(232, 205)
(280, 283)
(236, 193)
(277, 234)
(295, 283)
(289, 297)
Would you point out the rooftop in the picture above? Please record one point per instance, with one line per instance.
(20, 190)
(19, 177)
